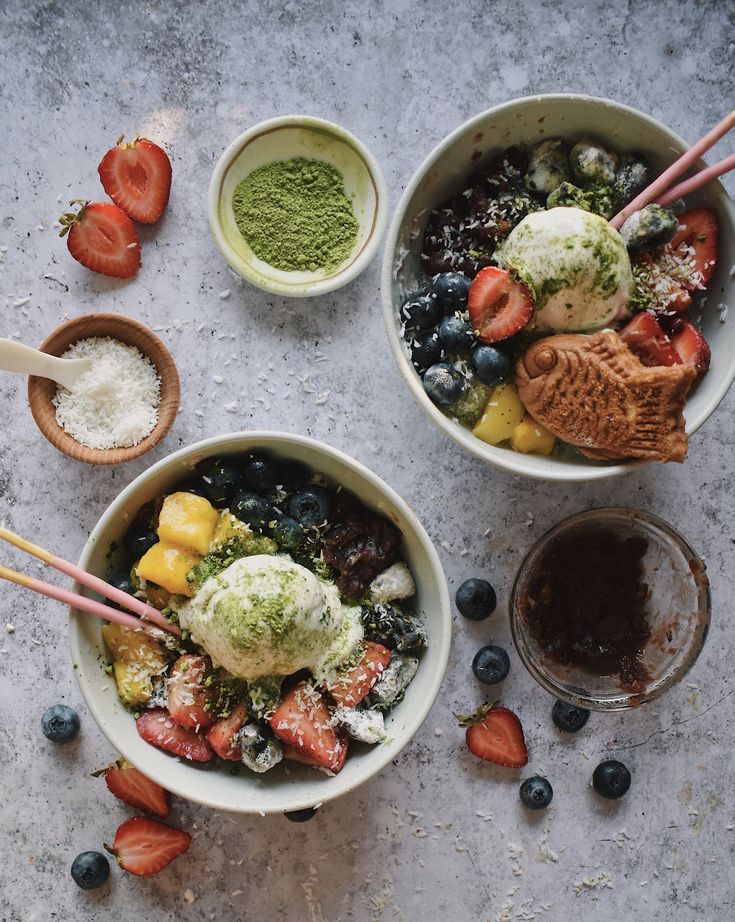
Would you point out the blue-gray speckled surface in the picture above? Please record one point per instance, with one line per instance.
(437, 834)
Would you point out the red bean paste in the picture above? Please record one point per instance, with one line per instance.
(586, 603)
(359, 547)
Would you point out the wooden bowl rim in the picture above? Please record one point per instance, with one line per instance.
(130, 332)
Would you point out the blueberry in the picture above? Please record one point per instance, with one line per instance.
(286, 532)
(536, 793)
(292, 475)
(139, 539)
(252, 509)
(221, 480)
(192, 485)
(260, 472)
(90, 870)
(491, 664)
(60, 723)
(443, 383)
(426, 350)
(122, 582)
(611, 779)
(420, 312)
(300, 816)
(456, 335)
(451, 289)
(491, 365)
(310, 506)
(476, 599)
(568, 717)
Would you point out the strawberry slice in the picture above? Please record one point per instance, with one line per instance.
(293, 755)
(496, 735)
(188, 698)
(144, 847)
(302, 720)
(692, 348)
(499, 305)
(220, 734)
(158, 728)
(698, 238)
(137, 177)
(133, 788)
(644, 336)
(351, 688)
(102, 238)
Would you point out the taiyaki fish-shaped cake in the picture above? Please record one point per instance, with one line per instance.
(593, 392)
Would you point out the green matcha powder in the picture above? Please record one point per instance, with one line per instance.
(295, 215)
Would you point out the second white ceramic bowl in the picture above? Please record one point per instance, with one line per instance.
(526, 122)
(276, 791)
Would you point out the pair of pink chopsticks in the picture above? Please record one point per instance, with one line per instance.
(656, 192)
(150, 618)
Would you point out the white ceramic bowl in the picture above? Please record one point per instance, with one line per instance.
(315, 139)
(274, 791)
(527, 121)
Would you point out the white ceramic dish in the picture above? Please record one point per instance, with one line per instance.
(315, 139)
(275, 791)
(527, 121)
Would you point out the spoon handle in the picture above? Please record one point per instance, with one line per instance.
(17, 357)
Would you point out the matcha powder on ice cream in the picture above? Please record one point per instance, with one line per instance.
(295, 215)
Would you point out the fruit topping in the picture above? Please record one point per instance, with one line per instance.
(144, 847)
(644, 336)
(221, 735)
(310, 506)
(692, 348)
(426, 350)
(476, 599)
(456, 334)
(496, 735)
(697, 240)
(90, 870)
(491, 365)
(536, 792)
(611, 779)
(450, 290)
(302, 720)
(102, 238)
(444, 383)
(420, 312)
(137, 177)
(60, 723)
(350, 689)
(189, 693)
(569, 717)
(158, 728)
(499, 305)
(133, 788)
(491, 664)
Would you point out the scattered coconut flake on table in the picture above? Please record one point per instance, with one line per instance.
(115, 403)
(601, 881)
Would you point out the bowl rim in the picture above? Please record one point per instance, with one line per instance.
(369, 247)
(504, 458)
(152, 346)
(625, 700)
(391, 749)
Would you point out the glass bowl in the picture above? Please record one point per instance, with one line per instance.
(677, 610)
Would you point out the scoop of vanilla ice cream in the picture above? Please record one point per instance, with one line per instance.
(266, 615)
(576, 266)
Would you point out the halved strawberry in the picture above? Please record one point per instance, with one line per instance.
(189, 699)
(699, 232)
(137, 177)
(692, 348)
(158, 728)
(102, 238)
(351, 688)
(144, 847)
(496, 735)
(133, 788)
(499, 305)
(644, 336)
(220, 734)
(302, 719)
(293, 755)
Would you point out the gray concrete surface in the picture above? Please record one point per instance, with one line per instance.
(438, 835)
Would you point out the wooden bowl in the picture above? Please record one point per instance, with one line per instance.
(41, 391)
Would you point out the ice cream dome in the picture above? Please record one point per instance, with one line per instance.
(267, 615)
(576, 266)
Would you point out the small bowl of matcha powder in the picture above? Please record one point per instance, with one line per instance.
(298, 206)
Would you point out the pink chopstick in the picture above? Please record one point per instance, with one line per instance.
(94, 583)
(659, 186)
(698, 180)
(77, 601)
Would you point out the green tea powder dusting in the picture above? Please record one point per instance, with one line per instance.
(295, 215)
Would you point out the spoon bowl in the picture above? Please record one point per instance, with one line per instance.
(20, 358)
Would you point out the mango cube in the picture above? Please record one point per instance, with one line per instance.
(167, 565)
(531, 438)
(229, 527)
(137, 658)
(187, 520)
(503, 412)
